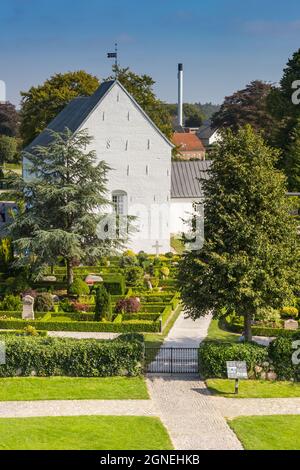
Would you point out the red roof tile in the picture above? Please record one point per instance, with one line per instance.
(187, 141)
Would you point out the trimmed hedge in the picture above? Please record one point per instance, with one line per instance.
(66, 357)
(237, 327)
(280, 353)
(86, 326)
(213, 357)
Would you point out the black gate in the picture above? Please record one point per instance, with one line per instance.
(171, 360)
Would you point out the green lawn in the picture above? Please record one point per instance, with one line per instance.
(215, 333)
(84, 433)
(72, 388)
(281, 432)
(254, 388)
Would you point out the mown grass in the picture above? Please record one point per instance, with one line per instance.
(84, 433)
(254, 388)
(280, 432)
(216, 332)
(72, 388)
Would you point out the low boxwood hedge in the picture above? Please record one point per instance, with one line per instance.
(85, 326)
(236, 326)
(68, 357)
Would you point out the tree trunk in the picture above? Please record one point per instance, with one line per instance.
(70, 274)
(247, 327)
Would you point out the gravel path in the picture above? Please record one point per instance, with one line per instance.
(187, 333)
(24, 409)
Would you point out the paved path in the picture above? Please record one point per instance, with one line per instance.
(24, 409)
(82, 335)
(184, 403)
(232, 407)
(187, 333)
(186, 409)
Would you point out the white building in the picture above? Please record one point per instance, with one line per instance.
(140, 182)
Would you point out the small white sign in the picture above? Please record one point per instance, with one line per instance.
(237, 370)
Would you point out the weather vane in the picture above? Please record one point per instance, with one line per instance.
(114, 55)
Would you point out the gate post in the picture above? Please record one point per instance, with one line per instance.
(171, 360)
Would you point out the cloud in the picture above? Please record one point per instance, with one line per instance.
(275, 28)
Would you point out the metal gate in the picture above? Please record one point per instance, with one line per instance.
(171, 360)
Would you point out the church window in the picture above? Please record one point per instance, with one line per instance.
(128, 116)
(147, 170)
(126, 145)
(108, 144)
(127, 170)
(118, 97)
(103, 116)
(148, 144)
(119, 199)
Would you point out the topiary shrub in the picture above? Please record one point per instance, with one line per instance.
(134, 276)
(213, 357)
(165, 271)
(16, 285)
(43, 303)
(289, 312)
(79, 287)
(11, 303)
(103, 307)
(169, 254)
(128, 305)
(66, 305)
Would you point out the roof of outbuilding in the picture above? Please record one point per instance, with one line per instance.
(206, 130)
(185, 178)
(187, 141)
(78, 110)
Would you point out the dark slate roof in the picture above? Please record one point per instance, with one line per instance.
(206, 130)
(78, 110)
(184, 178)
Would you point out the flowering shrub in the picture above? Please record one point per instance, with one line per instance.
(130, 305)
(80, 307)
(289, 312)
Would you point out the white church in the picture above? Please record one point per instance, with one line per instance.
(143, 180)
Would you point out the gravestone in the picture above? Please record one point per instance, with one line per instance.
(28, 312)
(291, 325)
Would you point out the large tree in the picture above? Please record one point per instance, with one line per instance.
(9, 120)
(42, 103)
(284, 104)
(250, 255)
(141, 88)
(63, 197)
(247, 106)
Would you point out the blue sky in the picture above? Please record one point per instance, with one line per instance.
(223, 44)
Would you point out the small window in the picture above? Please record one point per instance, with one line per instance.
(119, 199)
(103, 116)
(148, 144)
(128, 116)
(147, 170)
(126, 145)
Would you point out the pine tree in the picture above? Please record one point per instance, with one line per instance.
(103, 308)
(63, 198)
(250, 254)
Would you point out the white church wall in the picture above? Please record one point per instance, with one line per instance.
(181, 210)
(140, 161)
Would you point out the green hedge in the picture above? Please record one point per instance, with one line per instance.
(237, 326)
(141, 316)
(85, 326)
(213, 357)
(66, 357)
(280, 353)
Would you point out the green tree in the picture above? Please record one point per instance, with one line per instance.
(42, 103)
(292, 159)
(62, 205)
(250, 255)
(9, 120)
(141, 88)
(6, 254)
(282, 103)
(103, 308)
(8, 149)
(247, 106)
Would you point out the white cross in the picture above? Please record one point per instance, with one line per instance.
(157, 246)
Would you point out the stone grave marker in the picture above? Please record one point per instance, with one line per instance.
(28, 312)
